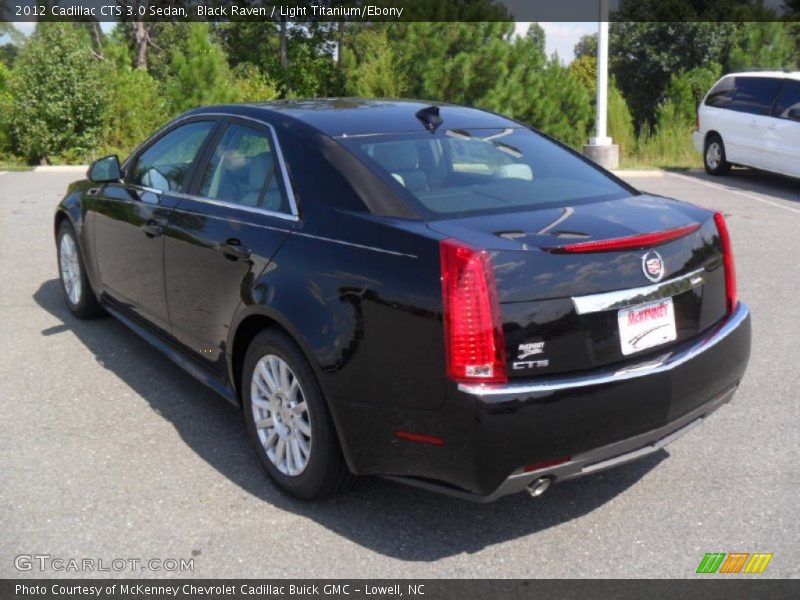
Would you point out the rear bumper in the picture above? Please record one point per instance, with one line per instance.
(598, 420)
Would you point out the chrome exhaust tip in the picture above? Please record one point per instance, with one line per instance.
(539, 486)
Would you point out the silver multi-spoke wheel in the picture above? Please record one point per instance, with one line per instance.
(70, 268)
(281, 415)
(713, 155)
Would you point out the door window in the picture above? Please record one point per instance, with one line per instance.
(788, 99)
(755, 95)
(165, 165)
(721, 94)
(243, 170)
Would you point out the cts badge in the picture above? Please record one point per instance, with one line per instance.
(653, 266)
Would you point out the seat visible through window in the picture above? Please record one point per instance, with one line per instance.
(401, 160)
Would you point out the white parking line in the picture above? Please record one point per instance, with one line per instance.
(737, 192)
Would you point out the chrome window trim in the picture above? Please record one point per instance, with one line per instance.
(593, 303)
(665, 362)
(293, 215)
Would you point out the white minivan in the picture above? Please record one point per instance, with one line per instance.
(751, 119)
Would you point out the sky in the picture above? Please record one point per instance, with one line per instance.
(560, 37)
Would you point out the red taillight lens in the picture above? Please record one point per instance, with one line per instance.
(631, 242)
(730, 269)
(697, 121)
(473, 333)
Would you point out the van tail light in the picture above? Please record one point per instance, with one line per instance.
(473, 332)
(730, 269)
(697, 121)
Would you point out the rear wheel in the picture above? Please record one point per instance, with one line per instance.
(714, 156)
(78, 293)
(288, 420)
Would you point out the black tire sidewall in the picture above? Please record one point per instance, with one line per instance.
(324, 445)
(723, 166)
(84, 305)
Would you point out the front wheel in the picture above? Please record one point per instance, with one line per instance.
(288, 420)
(714, 156)
(78, 293)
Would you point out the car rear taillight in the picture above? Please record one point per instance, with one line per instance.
(631, 242)
(730, 269)
(473, 333)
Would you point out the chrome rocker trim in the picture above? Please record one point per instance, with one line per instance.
(666, 362)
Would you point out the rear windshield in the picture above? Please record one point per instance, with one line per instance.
(453, 173)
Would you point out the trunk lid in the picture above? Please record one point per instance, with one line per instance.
(549, 325)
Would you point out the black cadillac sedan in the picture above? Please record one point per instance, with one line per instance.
(435, 294)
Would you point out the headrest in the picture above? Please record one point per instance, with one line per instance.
(397, 156)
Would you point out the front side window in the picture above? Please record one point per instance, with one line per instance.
(788, 99)
(457, 173)
(243, 170)
(755, 95)
(165, 165)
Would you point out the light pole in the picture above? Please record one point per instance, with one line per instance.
(600, 148)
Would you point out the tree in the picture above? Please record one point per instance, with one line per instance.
(763, 45)
(58, 94)
(586, 46)
(199, 74)
(370, 64)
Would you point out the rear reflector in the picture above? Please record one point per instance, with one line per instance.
(546, 463)
(418, 437)
(730, 269)
(473, 333)
(633, 242)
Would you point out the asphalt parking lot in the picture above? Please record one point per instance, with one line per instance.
(108, 451)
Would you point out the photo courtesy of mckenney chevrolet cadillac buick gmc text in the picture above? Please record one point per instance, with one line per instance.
(435, 294)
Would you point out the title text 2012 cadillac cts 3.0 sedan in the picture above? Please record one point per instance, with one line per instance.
(434, 294)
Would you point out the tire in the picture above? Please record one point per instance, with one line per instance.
(294, 416)
(78, 293)
(714, 156)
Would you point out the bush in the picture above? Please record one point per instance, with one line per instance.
(249, 84)
(58, 94)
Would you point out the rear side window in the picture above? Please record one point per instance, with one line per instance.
(788, 99)
(243, 170)
(165, 164)
(755, 95)
(721, 94)
(455, 173)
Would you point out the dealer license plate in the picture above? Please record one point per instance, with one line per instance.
(645, 326)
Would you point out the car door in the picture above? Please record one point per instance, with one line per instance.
(782, 135)
(129, 218)
(749, 118)
(223, 234)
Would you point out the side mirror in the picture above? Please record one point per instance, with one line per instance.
(105, 170)
(794, 114)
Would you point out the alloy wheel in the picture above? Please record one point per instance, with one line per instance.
(70, 268)
(280, 414)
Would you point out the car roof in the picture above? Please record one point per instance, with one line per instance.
(777, 74)
(345, 117)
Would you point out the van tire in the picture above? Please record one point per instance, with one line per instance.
(714, 159)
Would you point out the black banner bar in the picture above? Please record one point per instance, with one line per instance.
(716, 587)
(396, 10)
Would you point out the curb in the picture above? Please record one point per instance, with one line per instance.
(61, 169)
(622, 173)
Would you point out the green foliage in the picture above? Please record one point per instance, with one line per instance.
(584, 68)
(58, 94)
(370, 65)
(644, 57)
(135, 105)
(684, 92)
(620, 122)
(249, 84)
(763, 46)
(586, 46)
(5, 108)
(198, 75)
